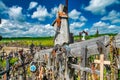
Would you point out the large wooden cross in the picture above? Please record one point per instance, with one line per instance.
(102, 62)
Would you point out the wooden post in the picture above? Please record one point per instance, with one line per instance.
(111, 58)
(102, 62)
(84, 62)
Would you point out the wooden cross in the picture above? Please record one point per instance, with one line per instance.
(102, 62)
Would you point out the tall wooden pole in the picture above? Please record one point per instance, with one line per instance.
(111, 58)
(67, 6)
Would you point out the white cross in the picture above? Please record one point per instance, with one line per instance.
(101, 62)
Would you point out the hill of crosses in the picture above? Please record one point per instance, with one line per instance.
(96, 58)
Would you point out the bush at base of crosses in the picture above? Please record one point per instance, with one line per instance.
(12, 62)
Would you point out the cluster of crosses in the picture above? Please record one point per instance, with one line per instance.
(61, 61)
(24, 60)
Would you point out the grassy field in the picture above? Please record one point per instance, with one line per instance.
(40, 41)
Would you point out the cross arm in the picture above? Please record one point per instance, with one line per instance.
(105, 62)
(84, 69)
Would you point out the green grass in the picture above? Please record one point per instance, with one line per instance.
(38, 41)
(41, 41)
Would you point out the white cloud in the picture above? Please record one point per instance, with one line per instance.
(77, 24)
(83, 19)
(113, 17)
(104, 28)
(32, 5)
(54, 10)
(99, 6)
(74, 14)
(86, 29)
(41, 13)
(100, 24)
(10, 28)
(3, 8)
(15, 13)
(75, 27)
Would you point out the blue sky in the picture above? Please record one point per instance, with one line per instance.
(33, 18)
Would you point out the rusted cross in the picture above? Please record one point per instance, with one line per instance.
(101, 62)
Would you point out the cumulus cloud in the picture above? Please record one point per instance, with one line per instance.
(32, 5)
(76, 27)
(104, 28)
(41, 13)
(113, 17)
(83, 19)
(99, 6)
(15, 13)
(54, 10)
(79, 21)
(74, 14)
(10, 28)
(77, 24)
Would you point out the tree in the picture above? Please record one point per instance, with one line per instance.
(0, 37)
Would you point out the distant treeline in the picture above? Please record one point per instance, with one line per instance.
(27, 38)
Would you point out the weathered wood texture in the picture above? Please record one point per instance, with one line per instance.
(64, 34)
(117, 41)
(39, 55)
(89, 70)
(102, 62)
(76, 48)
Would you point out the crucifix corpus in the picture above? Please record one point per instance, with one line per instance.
(101, 62)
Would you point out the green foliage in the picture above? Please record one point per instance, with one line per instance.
(3, 63)
(40, 41)
(13, 60)
(44, 41)
(92, 36)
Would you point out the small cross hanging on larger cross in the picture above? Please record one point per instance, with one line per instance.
(101, 62)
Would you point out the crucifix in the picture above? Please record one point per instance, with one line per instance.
(101, 62)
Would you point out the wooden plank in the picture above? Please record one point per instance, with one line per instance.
(90, 42)
(76, 48)
(78, 67)
(39, 55)
(117, 41)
